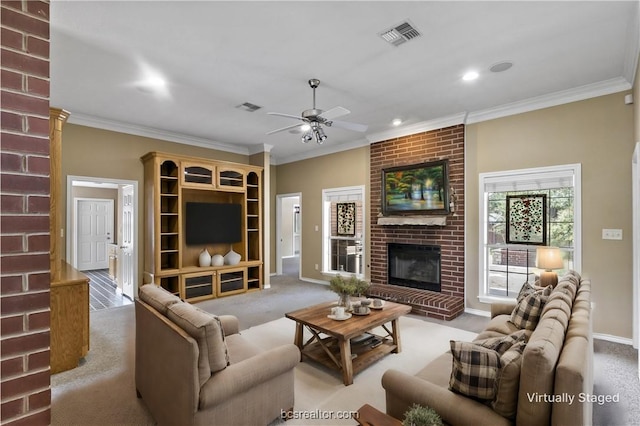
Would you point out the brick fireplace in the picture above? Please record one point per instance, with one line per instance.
(446, 143)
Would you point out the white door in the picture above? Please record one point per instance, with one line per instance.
(95, 231)
(126, 270)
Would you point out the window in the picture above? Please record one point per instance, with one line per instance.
(506, 267)
(343, 230)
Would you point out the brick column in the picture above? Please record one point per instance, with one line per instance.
(24, 204)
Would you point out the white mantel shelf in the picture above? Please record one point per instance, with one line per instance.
(413, 220)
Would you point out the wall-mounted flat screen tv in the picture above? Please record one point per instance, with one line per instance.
(416, 189)
(213, 223)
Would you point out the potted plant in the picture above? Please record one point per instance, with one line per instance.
(419, 415)
(346, 288)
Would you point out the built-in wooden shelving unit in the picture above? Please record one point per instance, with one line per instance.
(171, 181)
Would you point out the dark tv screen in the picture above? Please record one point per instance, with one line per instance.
(213, 223)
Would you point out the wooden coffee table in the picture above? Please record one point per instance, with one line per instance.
(331, 340)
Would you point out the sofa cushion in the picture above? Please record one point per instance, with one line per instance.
(499, 325)
(566, 287)
(240, 348)
(508, 382)
(527, 312)
(156, 296)
(206, 329)
(474, 370)
(538, 370)
(501, 344)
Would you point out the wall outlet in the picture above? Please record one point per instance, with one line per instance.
(316, 266)
(612, 234)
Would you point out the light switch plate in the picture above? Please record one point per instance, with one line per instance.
(612, 234)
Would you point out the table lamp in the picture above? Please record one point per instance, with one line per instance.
(548, 258)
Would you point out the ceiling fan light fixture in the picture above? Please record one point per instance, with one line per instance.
(306, 138)
(305, 127)
(319, 134)
(396, 121)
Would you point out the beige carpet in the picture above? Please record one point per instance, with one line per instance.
(102, 391)
(321, 391)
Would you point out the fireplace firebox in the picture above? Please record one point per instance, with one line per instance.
(415, 266)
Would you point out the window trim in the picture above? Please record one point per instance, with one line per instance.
(503, 177)
(347, 191)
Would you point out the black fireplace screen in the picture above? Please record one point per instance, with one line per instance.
(415, 266)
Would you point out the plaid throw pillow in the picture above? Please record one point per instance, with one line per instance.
(474, 370)
(501, 344)
(527, 312)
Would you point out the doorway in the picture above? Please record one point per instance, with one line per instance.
(112, 236)
(288, 234)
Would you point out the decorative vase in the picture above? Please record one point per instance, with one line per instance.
(205, 258)
(217, 260)
(345, 301)
(231, 258)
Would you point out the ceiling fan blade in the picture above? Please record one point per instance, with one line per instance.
(356, 127)
(335, 112)
(284, 128)
(297, 117)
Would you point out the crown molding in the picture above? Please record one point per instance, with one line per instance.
(424, 126)
(149, 132)
(581, 93)
(258, 148)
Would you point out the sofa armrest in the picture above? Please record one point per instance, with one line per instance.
(502, 308)
(230, 324)
(246, 374)
(402, 390)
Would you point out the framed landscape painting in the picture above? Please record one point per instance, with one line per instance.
(527, 219)
(416, 189)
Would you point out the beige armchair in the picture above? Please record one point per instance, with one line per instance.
(195, 368)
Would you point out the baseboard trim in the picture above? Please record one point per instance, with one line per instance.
(478, 312)
(614, 339)
(313, 280)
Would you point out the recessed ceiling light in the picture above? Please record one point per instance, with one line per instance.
(152, 84)
(470, 75)
(396, 121)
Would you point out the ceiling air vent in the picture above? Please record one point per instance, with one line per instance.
(400, 34)
(248, 106)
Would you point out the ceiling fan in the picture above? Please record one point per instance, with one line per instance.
(315, 118)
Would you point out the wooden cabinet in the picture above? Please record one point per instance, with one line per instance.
(197, 175)
(197, 286)
(173, 181)
(69, 319)
(231, 179)
(69, 291)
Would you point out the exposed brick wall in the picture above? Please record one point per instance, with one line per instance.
(24, 225)
(446, 143)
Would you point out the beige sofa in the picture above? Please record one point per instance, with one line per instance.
(555, 369)
(195, 368)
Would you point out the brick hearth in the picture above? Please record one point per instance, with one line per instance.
(446, 143)
(423, 302)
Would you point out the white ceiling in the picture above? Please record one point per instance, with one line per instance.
(216, 55)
